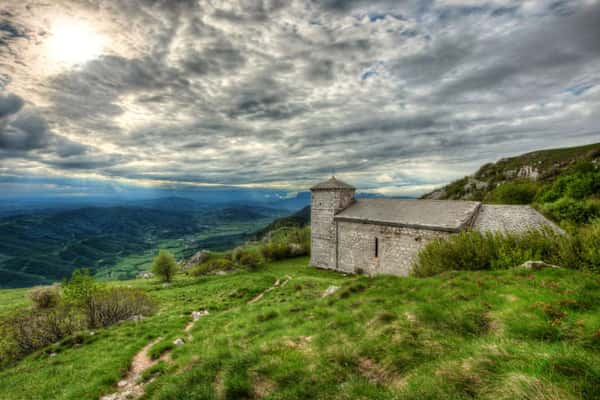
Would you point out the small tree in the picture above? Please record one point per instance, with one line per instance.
(164, 266)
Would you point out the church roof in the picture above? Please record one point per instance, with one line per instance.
(332, 184)
(441, 215)
(511, 218)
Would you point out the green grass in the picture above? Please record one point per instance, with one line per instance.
(459, 335)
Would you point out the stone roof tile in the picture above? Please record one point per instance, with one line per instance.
(443, 215)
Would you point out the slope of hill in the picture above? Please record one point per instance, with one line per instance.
(540, 166)
(43, 247)
(298, 219)
(511, 334)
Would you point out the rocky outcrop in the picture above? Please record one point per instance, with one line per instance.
(196, 259)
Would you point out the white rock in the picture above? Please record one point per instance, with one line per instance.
(330, 290)
(122, 383)
(179, 342)
(536, 265)
(166, 285)
(196, 315)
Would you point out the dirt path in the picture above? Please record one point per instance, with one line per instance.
(132, 387)
(278, 283)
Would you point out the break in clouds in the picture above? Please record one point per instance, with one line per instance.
(395, 96)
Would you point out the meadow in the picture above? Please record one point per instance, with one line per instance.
(501, 334)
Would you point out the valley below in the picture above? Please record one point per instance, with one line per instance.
(117, 242)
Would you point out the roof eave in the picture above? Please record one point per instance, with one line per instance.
(436, 228)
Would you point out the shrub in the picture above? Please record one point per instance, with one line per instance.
(44, 296)
(287, 243)
(103, 306)
(275, 250)
(486, 251)
(112, 305)
(571, 210)
(79, 292)
(250, 259)
(246, 257)
(28, 330)
(213, 265)
(164, 266)
(519, 192)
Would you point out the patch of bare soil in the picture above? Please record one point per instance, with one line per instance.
(374, 372)
(262, 387)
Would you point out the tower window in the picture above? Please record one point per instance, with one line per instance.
(376, 247)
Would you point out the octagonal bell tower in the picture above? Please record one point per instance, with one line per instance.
(327, 199)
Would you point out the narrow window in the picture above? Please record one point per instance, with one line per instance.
(376, 247)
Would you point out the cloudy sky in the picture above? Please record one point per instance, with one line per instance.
(394, 96)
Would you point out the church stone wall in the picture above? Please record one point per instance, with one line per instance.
(397, 247)
(324, 206)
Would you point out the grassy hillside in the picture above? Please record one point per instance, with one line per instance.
(117, 242)
(461, 335)
(543, 166)
(298, 219)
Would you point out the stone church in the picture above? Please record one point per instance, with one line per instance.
(383, 236)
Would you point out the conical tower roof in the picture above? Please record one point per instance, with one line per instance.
(332, 184)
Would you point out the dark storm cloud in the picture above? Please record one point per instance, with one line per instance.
(9, 31)
(27, 132)
(9, 104)
(219, 58)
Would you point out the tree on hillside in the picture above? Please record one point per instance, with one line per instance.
(164, 266)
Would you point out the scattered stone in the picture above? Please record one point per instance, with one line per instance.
(330, 290)
(122, 383)
(145, 275)
(136, 318)
(537, 265)
(295, 249)
(196, 259)
(53, 355)
(92, 333)
(166, 285)
(196, 315)
(179, 342)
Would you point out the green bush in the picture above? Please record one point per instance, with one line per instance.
(288, 243)
(518, 192)
(212, 265)
(101, 305)
(571, 210)
(250, 259)
(164, 266)
(490, 251)
(275, 250)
